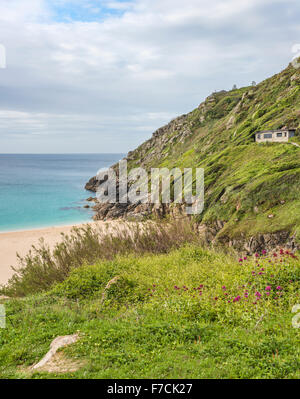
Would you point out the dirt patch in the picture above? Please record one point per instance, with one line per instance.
(59, 363)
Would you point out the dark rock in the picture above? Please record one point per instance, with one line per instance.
(92, 184)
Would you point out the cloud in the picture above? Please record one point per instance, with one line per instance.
(97, 75)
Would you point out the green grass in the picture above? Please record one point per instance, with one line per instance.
(147, 328)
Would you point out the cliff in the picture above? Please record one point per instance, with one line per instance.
(251, 189)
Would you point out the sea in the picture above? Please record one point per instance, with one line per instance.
(39, 190)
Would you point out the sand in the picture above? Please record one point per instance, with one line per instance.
(20, 242)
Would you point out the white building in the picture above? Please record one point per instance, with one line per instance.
(275, 136)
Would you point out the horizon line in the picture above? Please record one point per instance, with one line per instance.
(61, 153)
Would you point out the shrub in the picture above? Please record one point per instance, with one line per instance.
(41, 267)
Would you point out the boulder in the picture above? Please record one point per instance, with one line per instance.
(57, 343)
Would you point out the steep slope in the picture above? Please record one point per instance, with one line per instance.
(250, 189)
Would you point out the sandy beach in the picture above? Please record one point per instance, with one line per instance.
(20, 242)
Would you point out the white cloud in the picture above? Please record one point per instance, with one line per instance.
(116, 5)
(101, 80)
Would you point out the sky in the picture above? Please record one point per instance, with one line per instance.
(99, 76)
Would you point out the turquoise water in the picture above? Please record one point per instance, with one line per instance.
(47, 190)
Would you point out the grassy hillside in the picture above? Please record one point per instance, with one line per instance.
(245, 182)
(191, 313)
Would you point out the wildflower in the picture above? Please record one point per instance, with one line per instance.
(260, 273)
(245, 257)
(268, 288)
(246, 295)
(262, 269)
(278, 288)
(264, 252)
(236, 299)
(275, 254)
(223, 288)
(268, 293)
(216, 298)
(258, 294)
(257, 255)
(240, 260)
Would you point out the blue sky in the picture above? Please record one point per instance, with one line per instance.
(102, 75)
(87, 10)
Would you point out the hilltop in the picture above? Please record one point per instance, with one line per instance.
(251, 189)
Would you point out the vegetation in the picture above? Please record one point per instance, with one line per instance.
(41, 267)
(245, 182)
(191, 313)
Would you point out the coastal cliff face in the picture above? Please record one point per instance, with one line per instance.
(251, 190)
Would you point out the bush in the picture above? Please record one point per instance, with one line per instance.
(41, 268)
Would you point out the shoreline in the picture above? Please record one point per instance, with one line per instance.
(56, 226)
(21, 241)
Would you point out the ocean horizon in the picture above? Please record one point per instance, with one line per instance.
(45, 190)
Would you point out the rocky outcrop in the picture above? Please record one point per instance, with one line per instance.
(107, 211)
(92, 184)
(139, 211)
(270, 241)
(56, 344)
(149, 153)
